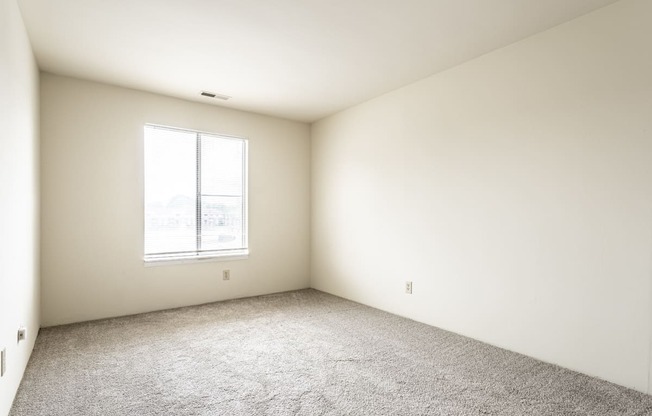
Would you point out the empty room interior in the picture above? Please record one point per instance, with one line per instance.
(286, 207)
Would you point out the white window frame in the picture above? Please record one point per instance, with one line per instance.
(198, 255)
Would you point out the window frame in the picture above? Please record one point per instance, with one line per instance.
(198, 255)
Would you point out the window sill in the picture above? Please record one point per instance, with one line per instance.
(206, 258)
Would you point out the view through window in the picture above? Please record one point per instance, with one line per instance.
(195, 194)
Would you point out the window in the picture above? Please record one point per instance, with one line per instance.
(195, 194)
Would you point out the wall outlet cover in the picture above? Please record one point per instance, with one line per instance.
(22, 334)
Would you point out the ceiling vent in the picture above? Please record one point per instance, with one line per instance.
(214, 95)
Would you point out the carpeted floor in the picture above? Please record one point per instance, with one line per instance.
(297, 353)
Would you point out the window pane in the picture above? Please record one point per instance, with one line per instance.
(170, 191)
(222, 223)
(221, 166)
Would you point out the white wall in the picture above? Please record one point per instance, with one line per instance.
(92, 204)
(19, 282)
(514, 190)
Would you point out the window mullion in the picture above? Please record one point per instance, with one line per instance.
(243, 193)
(199, 213)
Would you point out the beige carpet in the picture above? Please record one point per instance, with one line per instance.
(297, 353)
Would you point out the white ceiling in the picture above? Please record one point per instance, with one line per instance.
(296, 59)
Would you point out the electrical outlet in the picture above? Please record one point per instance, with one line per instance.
(3, 362)
(226, 274)
(408, 288)
(22, 334)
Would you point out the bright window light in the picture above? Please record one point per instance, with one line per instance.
(195, 194)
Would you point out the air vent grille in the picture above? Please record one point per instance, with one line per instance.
(214, 95)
